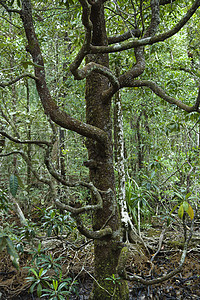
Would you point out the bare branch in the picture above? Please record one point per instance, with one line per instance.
(26, 159)
(86, 208)
(18, 141)
(162, 94)
(9, 10)
(4, 84)
(88, 36)
(93, 67)
(155, 19)
(11, 23)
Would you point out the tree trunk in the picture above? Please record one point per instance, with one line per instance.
(106, 250)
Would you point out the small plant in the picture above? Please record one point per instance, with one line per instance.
(38, 279)
(115, 280)
(5, 242)
(54, 222)
(49, 262)
(184, 205)
(58, 290)
(138, 198)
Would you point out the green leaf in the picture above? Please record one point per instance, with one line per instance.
(190, 212)
(173, 209)
(55, 285)
(20, 183)
(62, 285)
(13, 253)
(181, 211)
(32, 287)
(39, 290)
(2, 242)
(13, 185)
(34, 272)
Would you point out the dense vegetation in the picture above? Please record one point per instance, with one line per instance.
(99, 134)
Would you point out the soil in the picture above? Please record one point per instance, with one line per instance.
(77, 264)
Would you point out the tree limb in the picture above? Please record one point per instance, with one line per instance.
(162, 94)
(123, 37)
(9, 10)
(107, 231)
(148, 40)
(18, 141)
(4, 84)
(50, 107)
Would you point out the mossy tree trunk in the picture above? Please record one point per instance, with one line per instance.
(98, 114)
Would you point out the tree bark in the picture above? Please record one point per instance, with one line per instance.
(98, 114)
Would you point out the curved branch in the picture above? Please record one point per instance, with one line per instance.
(15, 140)
(94, 67)
(4, 84)
(26, 159)
(107, 231)
(148, 40)
(86, 45)
(162, 94)
(86, 208)
(123, 37)
(50, 107)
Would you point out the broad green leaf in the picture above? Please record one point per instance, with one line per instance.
(20, 183)
(34, 272)
(13, 253)
(39, 290)
(181, 211)
(13, 184)
(190, 212)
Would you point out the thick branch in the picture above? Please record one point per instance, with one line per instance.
(155, 19)
(123, 37)
(86, 11)
(127, 78)
(51, 108)
(86, 208)
(148, 40)
(92, 234)
(93, 67)
(162, 94)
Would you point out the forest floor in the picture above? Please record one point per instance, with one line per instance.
(77, 263)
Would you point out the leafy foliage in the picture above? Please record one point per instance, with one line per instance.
(5, 242)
